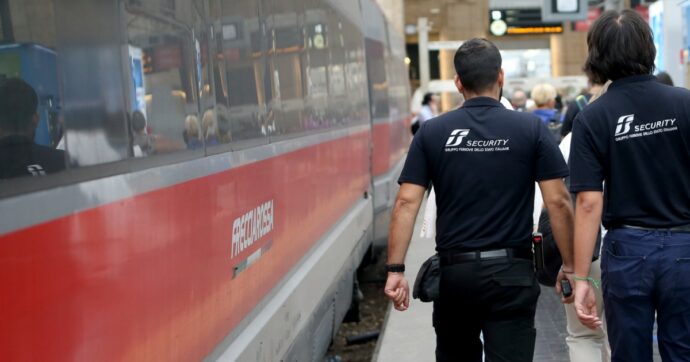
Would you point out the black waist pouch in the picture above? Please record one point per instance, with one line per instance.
(426, 286)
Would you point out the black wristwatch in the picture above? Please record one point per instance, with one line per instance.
(395, 268)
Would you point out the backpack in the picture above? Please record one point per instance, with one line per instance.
(554, 126)
(552, 257)
(414, 127)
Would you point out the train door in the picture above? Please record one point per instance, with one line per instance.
(376, 49)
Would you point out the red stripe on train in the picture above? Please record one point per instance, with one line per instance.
(391, 141)
(151, 277)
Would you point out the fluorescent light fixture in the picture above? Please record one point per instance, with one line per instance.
(566, 6)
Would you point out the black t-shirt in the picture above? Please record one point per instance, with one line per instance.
(571, 113)
(19, 156)
(636, 139)
(483, 161)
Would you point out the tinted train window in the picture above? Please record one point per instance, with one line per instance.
(30, 126)
(378, 85)
(165, 60)
(286, 61)
(240, 72)
(316, 65)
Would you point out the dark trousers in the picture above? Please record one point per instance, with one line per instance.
(643, 273)
(496, 297)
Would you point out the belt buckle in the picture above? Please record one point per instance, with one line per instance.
(493, 254)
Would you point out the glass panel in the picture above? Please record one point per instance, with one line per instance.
(355, 74)
(89, 52)
(166, 67)
(29, 127)
(241, 90)
(287, 66)
(316, 65)
(376, 71)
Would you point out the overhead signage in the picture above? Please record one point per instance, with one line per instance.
(564, 10)
(520, 22)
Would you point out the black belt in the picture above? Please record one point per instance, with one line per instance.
(450, 258)
(679, 229)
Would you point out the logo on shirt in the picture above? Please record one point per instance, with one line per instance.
(35, 170)
(456, 137)
(623, 124)
(625, 129)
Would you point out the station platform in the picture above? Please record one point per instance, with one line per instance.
(409, 336)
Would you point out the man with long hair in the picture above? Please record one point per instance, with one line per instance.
(635, 139)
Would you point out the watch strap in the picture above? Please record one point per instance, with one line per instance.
(395, 268)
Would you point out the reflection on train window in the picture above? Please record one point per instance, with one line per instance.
(286, 65)
(241, 94)
(30, 127)
(165, 60)
(376, 64)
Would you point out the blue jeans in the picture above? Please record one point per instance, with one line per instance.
(643, 273)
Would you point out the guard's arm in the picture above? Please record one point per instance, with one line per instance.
(405, 210)
(560, 207)
(587, 222)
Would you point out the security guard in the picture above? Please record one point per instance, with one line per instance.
(636, 140)
(483, 161)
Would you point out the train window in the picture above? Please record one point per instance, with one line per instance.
(88, 49)
(286, 65)
(338, 98)
(355, 75)
(30, 127)
(316, 66)
(240, 73)
(165, 66)
(376, 70)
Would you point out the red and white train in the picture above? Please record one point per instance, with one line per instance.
(228, 222)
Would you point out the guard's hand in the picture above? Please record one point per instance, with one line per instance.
(586, 305)
(398, 291)
(562, 274)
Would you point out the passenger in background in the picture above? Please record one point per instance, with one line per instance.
(19, 155)
(210, 127)
(428, 111)
(141, 143)
(559, 103)
(584, 344)
(191, 133)
(519, 100)
(544, 96)
(429, 108)
(664, 78)
(577, 105)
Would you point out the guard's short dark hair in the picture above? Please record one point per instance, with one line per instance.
(620, 45)
(478, 63)
(18, 105)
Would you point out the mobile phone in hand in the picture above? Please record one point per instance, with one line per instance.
(566, 289)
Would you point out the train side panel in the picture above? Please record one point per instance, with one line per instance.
(160, 275)
(242, 247)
